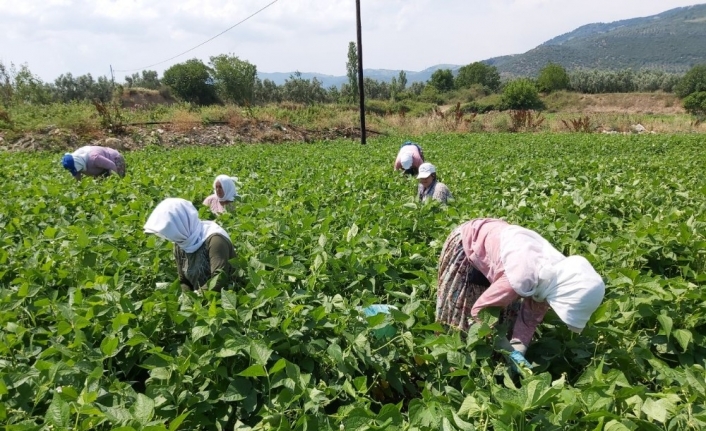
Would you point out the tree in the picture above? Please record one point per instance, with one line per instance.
(267, 91)
(478, 73)
(149, 79)
(442, 80)
(402, 80)
(191, 81)
(695, 104)
(233, 78)
(300, 90)
(521, 94)
(352, 73)
(693, 81)
(552, 77)
(68, 88)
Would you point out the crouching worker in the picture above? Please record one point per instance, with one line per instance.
(94, 161)
(409, 158)
(430, 187)
(490, 263)
(202, 249)
(224, 193)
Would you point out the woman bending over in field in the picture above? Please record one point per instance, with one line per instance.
(224, 193)
(202, 249)
(490, 263)
(94, 161)
(429, 187)
(409, 158)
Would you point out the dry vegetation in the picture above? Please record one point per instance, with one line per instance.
(146, 118)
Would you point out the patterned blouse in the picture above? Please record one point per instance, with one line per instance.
(217, 207)
(195, 269)
(436, 190)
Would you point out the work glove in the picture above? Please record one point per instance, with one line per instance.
(516, 357)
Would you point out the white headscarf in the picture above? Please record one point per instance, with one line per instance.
(230, 192)
(178, 221)
(406, 157)
(535, 268)
(81, 157)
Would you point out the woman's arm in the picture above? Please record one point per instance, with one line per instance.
(104, 163)
(499, 294)
(185, 284)
(219, 253)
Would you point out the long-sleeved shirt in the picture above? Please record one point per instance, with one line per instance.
(217, 207)
(482, 245)
(101, 160)
(195, 269)
(417, 158)
(436, 190)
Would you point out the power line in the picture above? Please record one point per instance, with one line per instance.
(202, 43)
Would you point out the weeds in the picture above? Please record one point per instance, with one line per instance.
(113, 122)
(581, 124)
(525, 120)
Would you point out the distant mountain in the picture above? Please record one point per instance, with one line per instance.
(671, 41)
(385, 75)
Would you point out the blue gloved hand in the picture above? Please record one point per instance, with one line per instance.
(519, 363)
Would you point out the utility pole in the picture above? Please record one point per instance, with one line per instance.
(360, 75)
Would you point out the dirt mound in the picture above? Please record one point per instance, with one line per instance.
(142, 97)
(179, 134)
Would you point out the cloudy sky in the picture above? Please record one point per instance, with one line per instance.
(88, 36)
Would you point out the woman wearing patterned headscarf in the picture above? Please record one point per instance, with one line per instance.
(490, 263)
(224, 193)
(94, 161)
(202, 249)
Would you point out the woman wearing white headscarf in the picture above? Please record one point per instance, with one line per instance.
(224, 193)
(490, 263)
(202, 249)
(409, 158)
(94, 161)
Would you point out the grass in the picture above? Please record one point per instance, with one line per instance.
(657, 112)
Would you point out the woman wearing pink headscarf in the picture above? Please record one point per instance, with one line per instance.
(490, 263)
(224, 194)
(202, 249)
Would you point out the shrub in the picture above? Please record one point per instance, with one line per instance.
(693, 82)
(521, 94)
(695, 104)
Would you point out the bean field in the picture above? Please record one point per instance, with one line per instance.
(88, 340)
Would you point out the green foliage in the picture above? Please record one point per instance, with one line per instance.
(351, 91)
(68, 88)
(695, 104)
(552, 77)
(148, 79)
(191, 81)
(442, 80)
(299, 90)
(89, 342)
(478, 74)
(521, 94)
(694, 81)
(233, 78)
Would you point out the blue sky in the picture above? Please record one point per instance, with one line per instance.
(88, 36)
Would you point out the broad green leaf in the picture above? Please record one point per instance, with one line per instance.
(143, 408)
(666, 323)
(58, 412)
(683, 337)
(109, 346)
(256, 370)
